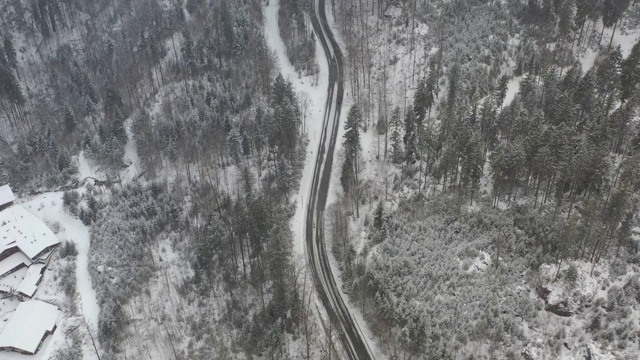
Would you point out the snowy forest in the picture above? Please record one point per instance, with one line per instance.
(484, 199)
(490, 177)
(194, 91)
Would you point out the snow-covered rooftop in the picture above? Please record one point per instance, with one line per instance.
(12, 281)
(6, 195)
(8, 307)
(29, 285)
(13, 261)
(19, 227)
(28, 325)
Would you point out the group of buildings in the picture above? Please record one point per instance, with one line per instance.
(26, 246)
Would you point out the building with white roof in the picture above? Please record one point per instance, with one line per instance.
(32, 279)
(25, 241)
(6, 197)
(22, 235)
(10, 283)
(26, 244)
(12, 263)
(27, 329)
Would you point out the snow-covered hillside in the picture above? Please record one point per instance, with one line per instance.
(422, 260)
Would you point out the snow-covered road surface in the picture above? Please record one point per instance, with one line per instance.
(355, 344)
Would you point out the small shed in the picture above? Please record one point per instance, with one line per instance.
(29, 285)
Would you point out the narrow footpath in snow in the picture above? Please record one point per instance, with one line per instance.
(48, 208)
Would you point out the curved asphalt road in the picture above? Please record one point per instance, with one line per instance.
(353, 341)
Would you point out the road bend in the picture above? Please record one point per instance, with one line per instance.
(351, 337)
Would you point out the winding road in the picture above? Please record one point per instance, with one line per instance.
(353, 341)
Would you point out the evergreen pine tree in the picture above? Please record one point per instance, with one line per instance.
(612, 10)
(89, 107)
(188, 54)
(396, 146)
(352, 133)
(286, 121)
(347, 175)
(10, 87)
(3, 58)
(501, 90)
(410, 136)
(487, 125)
(279, 264)
(630, 72)
(608, 74)
(565, 23)
(528, 94)
(117, 128)
(69, 119)
(420, 102)
(472, 165)
(378, 217)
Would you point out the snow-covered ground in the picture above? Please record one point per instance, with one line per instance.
(87, 169)
(513, 86)
(130, 155)
(626, 39)
(587, 295)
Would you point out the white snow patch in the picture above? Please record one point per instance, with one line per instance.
(130, 155)
(588, 58)
(479, 263)
(626, 39)
(393, 12)
(513, 86)
(85, 169)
